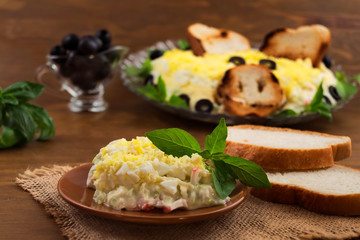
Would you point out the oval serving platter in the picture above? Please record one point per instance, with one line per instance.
(72, 187)
(132, 83)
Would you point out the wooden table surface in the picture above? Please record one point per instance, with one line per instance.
(28, 29)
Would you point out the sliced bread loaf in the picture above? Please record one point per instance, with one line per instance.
(304, 42)
(334, 190)
(205, 39)
(285, 149)
(250, 89)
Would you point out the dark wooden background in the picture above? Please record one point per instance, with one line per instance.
(28, 29)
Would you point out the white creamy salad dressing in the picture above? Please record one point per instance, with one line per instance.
(135, 175)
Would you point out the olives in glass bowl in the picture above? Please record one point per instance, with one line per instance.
(83, 66)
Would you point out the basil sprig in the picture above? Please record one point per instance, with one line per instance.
(20, 120)
(183, 44)
(345, 88)
(224, 169)
(158, 93)
(318, 105)
(142, 71)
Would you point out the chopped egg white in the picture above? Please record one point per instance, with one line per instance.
(136, 175)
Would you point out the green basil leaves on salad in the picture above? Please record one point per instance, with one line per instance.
(155, 92)
(20, 120)
(225, 169)
(345, 87)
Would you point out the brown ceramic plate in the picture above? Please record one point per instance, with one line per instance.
(72, 187)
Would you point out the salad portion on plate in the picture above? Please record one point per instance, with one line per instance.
(217, 73)
(168, 170)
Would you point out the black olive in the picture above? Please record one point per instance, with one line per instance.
(334, 93)
(327, 100)
(85, 80)
(204, 105)
(89, 45)
(237, 61)
(104, 36)
(268, 63)
(149, 80)
(155, 54)
(186, 98)
(70, 41)
(327, 61)
(59, 51)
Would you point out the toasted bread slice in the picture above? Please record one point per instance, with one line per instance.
(283, 149)
(304, 42)
(334, 190)
(205, 39)
(250, 90)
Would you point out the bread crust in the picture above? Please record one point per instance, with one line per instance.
(344, 205)
(195, 44)
(234, 98)
(279, 159)
(275, 41)
(199, 40)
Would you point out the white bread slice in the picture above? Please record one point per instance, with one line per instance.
(334, 190)
(205, 39)
(283, 149)
(250, 90)
(304, 42)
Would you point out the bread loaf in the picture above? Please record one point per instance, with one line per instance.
(204, 39)
(334, 190)
(250, 90)
(284, 149)
(304, 42)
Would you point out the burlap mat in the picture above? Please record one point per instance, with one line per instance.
(254, 219)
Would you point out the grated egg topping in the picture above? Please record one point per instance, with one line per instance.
(136, 175)
(198, 77)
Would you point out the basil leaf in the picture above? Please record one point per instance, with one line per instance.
(216, 141)
(223, 188)
(23, 91)
(43, 121)
(205, 154)
(132, 71)
(219, 156)
(161, 89)
(357, 78)
(150, 91)
(146, 68)
(10, 99)
(346, 90)
(142, 71)
(177, 102)
(318, 105)
(157, 93)
(20, 120)
(174, 141)
(248, 172)
(344, 87)
(183, 44)
(9, 137)
(286, 112)
(2, 114)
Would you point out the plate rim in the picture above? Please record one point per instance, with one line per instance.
(167, 218)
